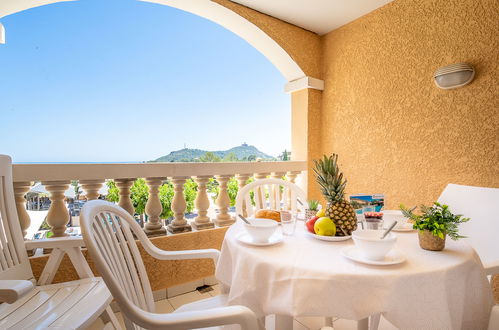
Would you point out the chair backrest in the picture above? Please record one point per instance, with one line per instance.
(108, 231)
(481, 206)
(14, 263)
(274, 194)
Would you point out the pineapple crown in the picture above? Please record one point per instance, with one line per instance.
(330, 179)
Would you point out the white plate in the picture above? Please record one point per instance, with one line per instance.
(246, 239)
(328, 238)
(406, 227)
(392, 258)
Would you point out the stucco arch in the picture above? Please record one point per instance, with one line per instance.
(244, 29)
(209, 10)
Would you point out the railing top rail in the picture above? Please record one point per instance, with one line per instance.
(64, 172)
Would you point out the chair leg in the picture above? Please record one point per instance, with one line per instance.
(283, 322)
(363, 324)
(374, 321)
(328, 322)
(109, 318)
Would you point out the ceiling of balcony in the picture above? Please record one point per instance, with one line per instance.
(319, 16)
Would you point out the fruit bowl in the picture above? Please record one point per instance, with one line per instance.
(328, 238)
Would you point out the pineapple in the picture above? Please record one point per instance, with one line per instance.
(332, 184)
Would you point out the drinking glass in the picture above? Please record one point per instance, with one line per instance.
(288, 225)
(375, 224)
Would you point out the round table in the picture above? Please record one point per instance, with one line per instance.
(303, 276)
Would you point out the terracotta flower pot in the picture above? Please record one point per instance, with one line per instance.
(428, 241)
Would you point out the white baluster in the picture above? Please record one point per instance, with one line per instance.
(91, 188)
(58, 215)
(125, 201)
(179, 223)
(223, 202)
(20, 189)
(292, 176)
(202, 203)
(153, 226)
(242, 179)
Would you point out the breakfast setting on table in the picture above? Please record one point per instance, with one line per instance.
(291, 257)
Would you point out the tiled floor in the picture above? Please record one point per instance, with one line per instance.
(300, 323)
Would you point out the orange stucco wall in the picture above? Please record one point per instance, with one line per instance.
(394, 130)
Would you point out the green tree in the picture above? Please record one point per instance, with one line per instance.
(232, 189)
(251, 158)
(285, 155)
(76, 188)
(231, 157)
(113, 193)
(139, 195)
(210, 157)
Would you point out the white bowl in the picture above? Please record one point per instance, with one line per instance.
(394, 215)
(371, 245)
(260, 230)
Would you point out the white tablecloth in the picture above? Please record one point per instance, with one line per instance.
(303, 276)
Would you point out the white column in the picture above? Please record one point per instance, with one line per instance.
(241, 182)
(223, 202)
(91, 188)
(20, 189)
(153, 226)
(202, 203)
(58, 215)
(179, 223)
(125, 201)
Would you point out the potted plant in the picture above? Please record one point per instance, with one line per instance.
(313, 207)
(434, 224)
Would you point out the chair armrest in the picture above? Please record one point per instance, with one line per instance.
(181, 255)
(198, 319)
(491, 268)
(494, 318)
(176, 255)
(57, 242)
(12, 290)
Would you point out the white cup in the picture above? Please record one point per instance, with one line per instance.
(371, 245)
(394, 215)
(260, 230)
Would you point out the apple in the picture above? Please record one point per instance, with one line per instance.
(325, 227)
(310, 224)
(321, 213)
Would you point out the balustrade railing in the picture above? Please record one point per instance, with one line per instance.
(57, 179)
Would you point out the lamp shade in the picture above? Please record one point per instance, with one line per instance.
(454, 75)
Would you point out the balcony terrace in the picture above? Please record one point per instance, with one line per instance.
(364, 83)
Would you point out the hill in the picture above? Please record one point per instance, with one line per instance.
(242, 152)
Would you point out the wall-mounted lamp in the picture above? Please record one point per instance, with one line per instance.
(454, 75)
(2, 34)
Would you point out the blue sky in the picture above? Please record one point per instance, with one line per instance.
(123, 80)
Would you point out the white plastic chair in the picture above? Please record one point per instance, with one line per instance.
(108, 232)
(268, 195)
(480, 205)
(70, 305)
